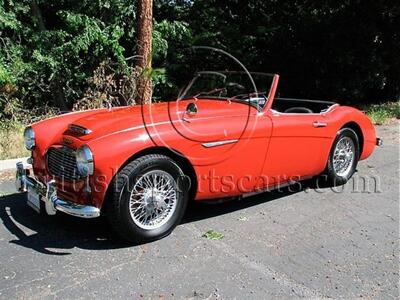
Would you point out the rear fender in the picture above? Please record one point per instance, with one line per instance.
(344, 116)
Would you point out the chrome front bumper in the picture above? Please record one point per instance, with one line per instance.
(48, 194)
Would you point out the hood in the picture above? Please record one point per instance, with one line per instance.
(104, 122)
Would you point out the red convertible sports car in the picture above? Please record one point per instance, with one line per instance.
(224, 136)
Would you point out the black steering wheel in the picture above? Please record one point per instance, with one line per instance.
(298, 110)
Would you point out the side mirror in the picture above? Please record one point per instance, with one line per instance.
(191, 109)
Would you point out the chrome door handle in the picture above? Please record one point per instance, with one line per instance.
(318, 124)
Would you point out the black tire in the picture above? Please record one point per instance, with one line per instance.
(330, 177)
(118, 210)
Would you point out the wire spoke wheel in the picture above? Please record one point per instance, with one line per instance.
(153, 199)
(343, 156)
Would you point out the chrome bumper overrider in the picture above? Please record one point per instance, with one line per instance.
(48, 194)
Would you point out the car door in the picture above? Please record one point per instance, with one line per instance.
(297, 146)
(225, 142)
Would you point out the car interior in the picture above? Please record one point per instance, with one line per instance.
(300, 106)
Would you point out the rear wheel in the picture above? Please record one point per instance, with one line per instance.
(343, 157)
(149, 199)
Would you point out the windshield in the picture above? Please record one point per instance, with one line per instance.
(231, 86)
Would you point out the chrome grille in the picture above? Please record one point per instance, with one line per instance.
(61, 162)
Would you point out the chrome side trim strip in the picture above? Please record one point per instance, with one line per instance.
(219, 143)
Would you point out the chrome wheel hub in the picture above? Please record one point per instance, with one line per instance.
(153, 199)
(343, 156)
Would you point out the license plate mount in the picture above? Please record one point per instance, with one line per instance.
(33, 200)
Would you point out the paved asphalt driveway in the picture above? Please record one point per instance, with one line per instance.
(314, 244)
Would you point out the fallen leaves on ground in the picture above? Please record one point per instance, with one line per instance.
(213, 235)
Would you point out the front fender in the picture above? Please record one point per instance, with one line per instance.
(110, 155)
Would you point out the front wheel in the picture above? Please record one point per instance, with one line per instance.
(343, 157)
(149, 199)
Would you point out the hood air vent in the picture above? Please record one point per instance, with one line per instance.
(78, 130)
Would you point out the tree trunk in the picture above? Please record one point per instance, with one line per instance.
(144, 49)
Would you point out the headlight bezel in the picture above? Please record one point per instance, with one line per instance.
(29, 138)
(85, 161)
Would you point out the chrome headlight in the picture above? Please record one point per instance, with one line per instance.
(29, 138)
(84, 161)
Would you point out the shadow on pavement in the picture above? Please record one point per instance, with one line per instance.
(42, 233)
(213, 208)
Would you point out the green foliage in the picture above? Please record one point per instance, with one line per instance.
(5, 77)
(381, 113)
(49, 49)
(170, 39)
(322, 49)
(347, 50)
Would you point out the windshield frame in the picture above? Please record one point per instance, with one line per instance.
(224, 74)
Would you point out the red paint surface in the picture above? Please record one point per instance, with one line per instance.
(272, 147)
